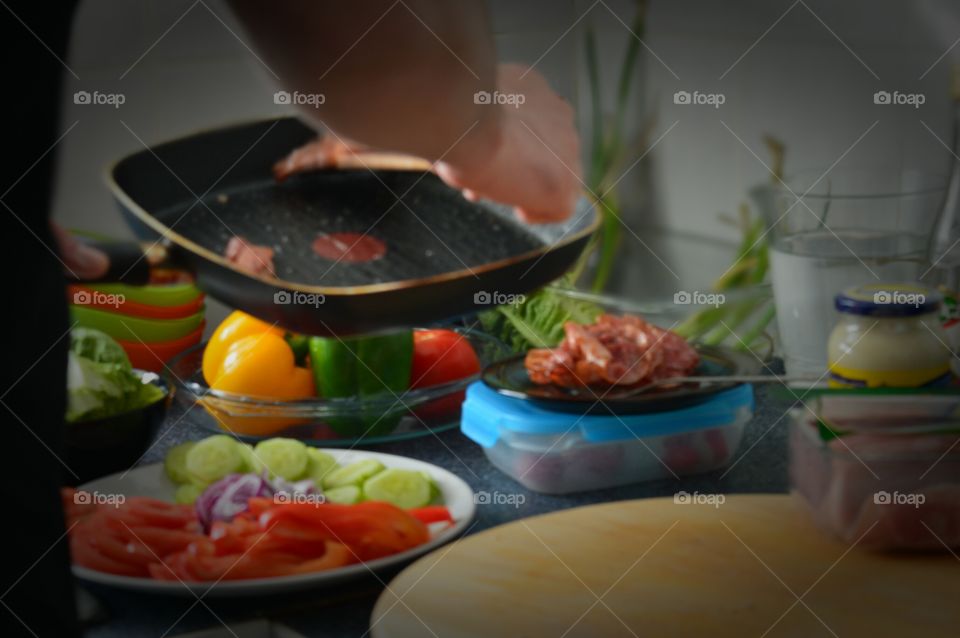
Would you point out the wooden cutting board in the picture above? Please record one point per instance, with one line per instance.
(665, 569)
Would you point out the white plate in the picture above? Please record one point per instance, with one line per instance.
(150, 480)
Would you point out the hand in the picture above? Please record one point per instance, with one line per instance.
(534, 160)
(80, 260)
(526, 156)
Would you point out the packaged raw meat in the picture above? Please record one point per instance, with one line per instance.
(883, 490)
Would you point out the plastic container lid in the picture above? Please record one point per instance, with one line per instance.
(487, 413)
(888, 300)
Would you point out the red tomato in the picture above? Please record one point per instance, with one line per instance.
(258, 505)
(441, 356)
(369, 529)
(336, 555)
(161, 541)
(86, 554)
(156, 513)
(145, 537)
(132, 537)
(174, 567)
(233, 537)
(431, 514)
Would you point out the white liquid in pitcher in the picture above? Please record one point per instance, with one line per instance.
(809, 269)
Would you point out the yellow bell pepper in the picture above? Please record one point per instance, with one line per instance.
(263, 366)
(236, 326)
(250, 357)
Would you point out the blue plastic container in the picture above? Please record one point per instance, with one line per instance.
(560, 452)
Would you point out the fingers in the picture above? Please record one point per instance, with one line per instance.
(81, 260)
(533, 217)
(561, 212)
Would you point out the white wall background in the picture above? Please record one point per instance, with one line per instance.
(798, 77)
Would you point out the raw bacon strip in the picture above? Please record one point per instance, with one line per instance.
(612, 351)
(251, 258)
(322, 152)
(331, 152)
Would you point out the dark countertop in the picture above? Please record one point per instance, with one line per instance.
(344, 609)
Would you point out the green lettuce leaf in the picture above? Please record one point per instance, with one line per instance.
(538, 321)
(100, 380)
(97, 346)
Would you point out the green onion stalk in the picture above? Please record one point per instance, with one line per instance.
(538, 320)
(731, 323)
(743, 322)
(608, 150)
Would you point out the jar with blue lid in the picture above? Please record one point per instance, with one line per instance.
(888, 335)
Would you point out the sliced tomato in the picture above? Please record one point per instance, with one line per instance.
(159, 513)
(203, 567)
(145, 537)
(258, 505)
(432, 514)
(85, 553)
(174, 567)
(336, 555)
(371, 529)
(165, 541)
(233, 537)
(130, 552)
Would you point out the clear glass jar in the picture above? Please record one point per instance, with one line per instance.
(888, 335)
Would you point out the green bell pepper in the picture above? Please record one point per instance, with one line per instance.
(363, 367)
(300, 344)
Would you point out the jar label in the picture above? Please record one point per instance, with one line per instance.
(844, 377)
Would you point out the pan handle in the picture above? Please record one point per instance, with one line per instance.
(132, 262)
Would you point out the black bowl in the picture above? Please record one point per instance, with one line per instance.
(115, 443)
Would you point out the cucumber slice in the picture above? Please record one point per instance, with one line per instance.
(251, 462)
(175, 463)
(319, 464)
(213, 458)
(404, 488)
(345, 495)
(353, 474)
(286, 458)
(187, 493)
(436, 496)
